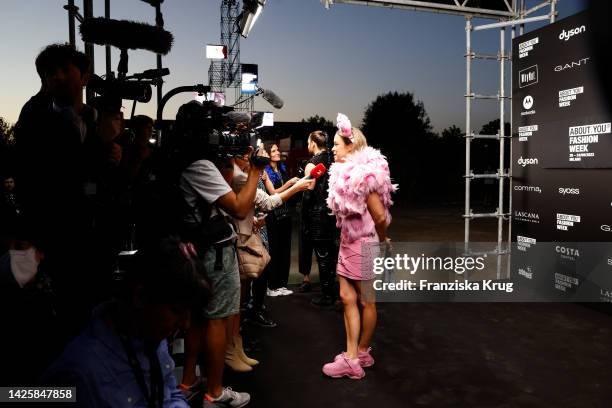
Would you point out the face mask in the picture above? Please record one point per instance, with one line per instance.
(24, 265)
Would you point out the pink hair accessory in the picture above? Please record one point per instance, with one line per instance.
(344, 126)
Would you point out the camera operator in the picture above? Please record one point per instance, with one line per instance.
(211, 200)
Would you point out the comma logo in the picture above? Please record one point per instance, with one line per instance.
(527, 161)
(528, 102)
(566, 35)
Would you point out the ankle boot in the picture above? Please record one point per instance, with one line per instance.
(233, 360)
(241, 353)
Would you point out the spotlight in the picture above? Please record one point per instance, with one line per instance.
(250, 13)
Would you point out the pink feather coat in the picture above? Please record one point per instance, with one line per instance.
(350, 183)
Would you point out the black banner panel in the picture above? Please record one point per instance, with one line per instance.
(562, 156)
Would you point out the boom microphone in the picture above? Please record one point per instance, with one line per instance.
(316, 172)
(125, 34)
(272, 98)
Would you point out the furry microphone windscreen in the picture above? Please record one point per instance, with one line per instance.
(125, 34)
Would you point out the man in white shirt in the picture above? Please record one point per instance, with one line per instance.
(200, 182)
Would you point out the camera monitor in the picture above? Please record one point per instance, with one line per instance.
(249, 79)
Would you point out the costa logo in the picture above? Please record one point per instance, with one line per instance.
(567, 190)
(566, 35)
(567, 251)
(526, 162)
(572, 64)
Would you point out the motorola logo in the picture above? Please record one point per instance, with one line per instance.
(572, 64)
(566, 35)
(528, 102)
(567, 190)
(528, 76)
(527, 161)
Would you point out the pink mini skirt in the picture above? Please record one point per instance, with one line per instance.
(356, 259)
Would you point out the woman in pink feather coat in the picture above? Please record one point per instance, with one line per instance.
(360, 196)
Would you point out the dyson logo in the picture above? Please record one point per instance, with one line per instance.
(527, 161)
(566, 35)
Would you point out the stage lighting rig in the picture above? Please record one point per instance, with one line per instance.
(251, 10)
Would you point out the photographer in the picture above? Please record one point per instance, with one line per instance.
(210, 200)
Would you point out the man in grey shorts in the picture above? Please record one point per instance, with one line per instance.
(202, 182)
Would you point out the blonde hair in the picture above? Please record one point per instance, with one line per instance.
(359, 140)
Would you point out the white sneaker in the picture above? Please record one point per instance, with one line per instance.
(273, 292)
(284, 291)
(227, 399)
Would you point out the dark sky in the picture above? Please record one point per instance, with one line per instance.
(319, 61)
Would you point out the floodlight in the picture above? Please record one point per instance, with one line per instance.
(250, 13)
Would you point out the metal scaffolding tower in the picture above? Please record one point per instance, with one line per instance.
(223, 74)
(504, 216)
(509, 13)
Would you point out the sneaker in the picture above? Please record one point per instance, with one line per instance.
(344, 366)
(305, 287)
(284, 291)
(365, 358)
(227, 399)
(273, 292)
(190, 391)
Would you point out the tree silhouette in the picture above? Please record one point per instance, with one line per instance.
(6, 133)
(318, 122)
(399, 126)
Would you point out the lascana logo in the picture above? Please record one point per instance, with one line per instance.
(528, 102)
(527, 161)
(566, 35)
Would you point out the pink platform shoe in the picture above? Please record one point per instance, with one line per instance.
(344, 366)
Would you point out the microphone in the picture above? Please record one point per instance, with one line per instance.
(152, 73)
(272, 98)
(125, 34)
(317, 172)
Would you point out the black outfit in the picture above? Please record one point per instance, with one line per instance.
(318, 230)
(278, 223)
(62, 178)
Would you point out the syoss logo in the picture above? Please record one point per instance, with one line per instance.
(564, 191)
(566, 35)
